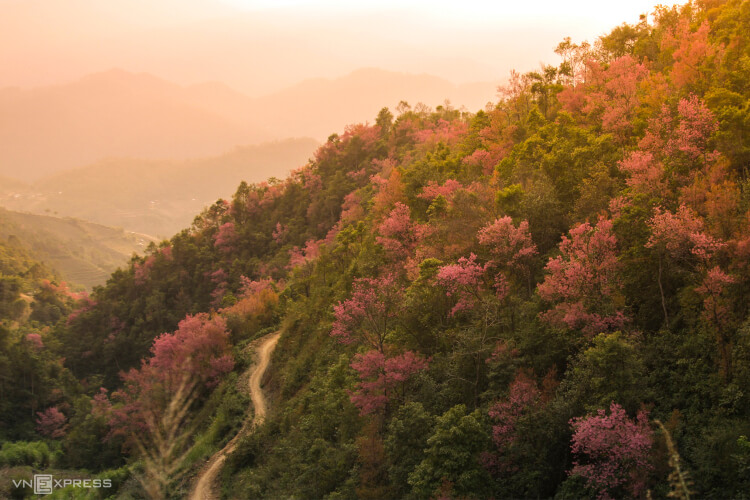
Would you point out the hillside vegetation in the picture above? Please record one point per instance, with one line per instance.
(545, 299)
(83, 253)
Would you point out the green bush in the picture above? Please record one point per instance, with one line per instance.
(35, 454)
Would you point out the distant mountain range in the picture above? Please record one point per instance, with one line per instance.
(82, 252)
(118, 114)
(152, 196)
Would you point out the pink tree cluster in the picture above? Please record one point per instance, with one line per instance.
(279, 233)
(614, 93)
(35, 340)
(717, 312)
(351, 208)
(200, 346)
(301, 256)
(713, 289)
(383, 378)
(367, 316)
(432, 190)
(197, 354)
(51, 423)
(312, 181)
(483, 159)
(696, 125)
(219, 279)
(84, 304)
(357, 135)
(142, 270)
(522, 395)
(447, 132)
(686, 133)
(166, 252)
(582, 281)
(645, 173)
(510, 245)
(250, 287)
(464, 281)
(398, 233)
(225, 239)
(681, 234)
(691, 49)
(613, 451)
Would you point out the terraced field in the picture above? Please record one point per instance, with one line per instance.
(83, 253)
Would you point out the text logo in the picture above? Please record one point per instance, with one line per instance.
(43, 484)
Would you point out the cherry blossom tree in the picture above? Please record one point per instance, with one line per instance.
(226, 237)
(35, 340)
(612, 451)
(398, 233)
(448, 132)
(614, 93)
(279, 233)
(464, 282)
(696, 125)
(523, 392)
(367, 316)
(197, 354)
(432, 190)
(645, 173)
(681, 235)
(142, 270)
(681, 138)
(583, 280)
(511, 246)
(51, 423)
(382, 377)
(301, 256)
(691, 49)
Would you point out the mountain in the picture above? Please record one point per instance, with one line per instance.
(151, 196)
(119, 114)
(321, 105)
(83, 253)
(111, 114)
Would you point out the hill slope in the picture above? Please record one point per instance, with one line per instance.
(154, 197)
(82, 252)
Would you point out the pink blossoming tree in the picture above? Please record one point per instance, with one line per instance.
(583, 280)
(383, 378)
(368, 315)
(612, 451)
(51, 423)
(398, 233)
(196, 355)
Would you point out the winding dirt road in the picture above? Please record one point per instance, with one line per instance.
(204, 483)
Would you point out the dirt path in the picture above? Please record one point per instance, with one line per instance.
(204, 483)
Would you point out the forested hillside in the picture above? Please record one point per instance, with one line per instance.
(544, 299)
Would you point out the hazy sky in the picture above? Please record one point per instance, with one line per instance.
(259, 46)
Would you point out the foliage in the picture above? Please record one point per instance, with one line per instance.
(615, 450)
